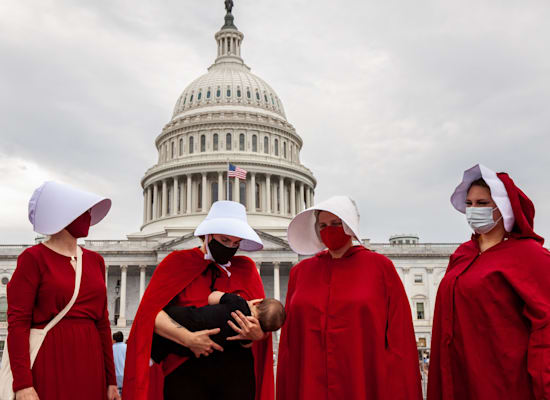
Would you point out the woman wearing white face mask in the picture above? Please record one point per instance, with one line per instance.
(491, 331)
(349, 332)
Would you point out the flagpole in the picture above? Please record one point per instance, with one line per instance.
(227, 178)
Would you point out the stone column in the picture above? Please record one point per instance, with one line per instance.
(253, 187)
(236, 191)
(164, 198)
(293, 197)
(268, 193)
(189, 190)
(175, 198)
(220, 185)
(301, 203)
(142, 272)
(121, 323)
(311, 197)
(107, 277)
(149, 201)
(144, 206)
(155, 201)
(203, 194)
(281, 195)
(276, 281)
(182, 197)
(431, 297)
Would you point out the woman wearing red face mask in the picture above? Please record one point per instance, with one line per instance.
(348, 333)
(491, 330)
(57, 277)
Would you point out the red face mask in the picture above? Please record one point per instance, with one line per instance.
(334, 237)
(80, 226)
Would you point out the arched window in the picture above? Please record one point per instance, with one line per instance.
(218, 92)
(241, 142)
(3, 309)
(266, 145)
(208, 93)
(276, 145)
(248, 93)
(191, 145)
(254, 143)
(228, 91)
(199, 96)
(258, 197)
(172, 150)
(199, 197)
(257, 96)
(203, 143)
(191, 99)
(214, 191)
(238, 92)
(284, 149)
(228, 141)
(181, 146)
(265, 97)
(215, 142)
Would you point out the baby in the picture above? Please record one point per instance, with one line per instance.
(269, 312)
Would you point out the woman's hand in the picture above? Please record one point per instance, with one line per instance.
(112, 393)
(249, 327)
(26, 394)
(200, 343)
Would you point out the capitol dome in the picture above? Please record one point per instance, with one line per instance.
(227, 115)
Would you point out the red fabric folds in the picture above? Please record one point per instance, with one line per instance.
(178, 271)
(491, 330)
(76, 355)
(348, 333)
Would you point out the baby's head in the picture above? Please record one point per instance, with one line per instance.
(271, 314)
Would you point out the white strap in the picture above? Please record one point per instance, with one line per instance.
(62, 313)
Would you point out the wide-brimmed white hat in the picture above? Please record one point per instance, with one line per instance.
(303, 235)
(55, 205)
(229, 218)
(498, 193)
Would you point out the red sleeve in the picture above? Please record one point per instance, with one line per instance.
(282, 359)
(104, 327)
(404, 378)
(532, 282)
(22, 290)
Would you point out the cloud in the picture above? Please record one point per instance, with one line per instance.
(404, 96)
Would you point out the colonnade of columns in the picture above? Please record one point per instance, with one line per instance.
(191, 193)
(123, 291)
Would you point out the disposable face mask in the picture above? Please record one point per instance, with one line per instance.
(481, 219)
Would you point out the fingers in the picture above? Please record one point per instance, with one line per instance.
(210, 331)
(236, 337)
(216, 346)
(241, 320)
(234, 327)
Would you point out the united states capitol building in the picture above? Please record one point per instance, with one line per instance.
(231, 115)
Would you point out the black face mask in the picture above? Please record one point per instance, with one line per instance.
(222, 254)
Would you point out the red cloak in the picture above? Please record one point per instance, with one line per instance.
(491, 330)
(173, 275)
(349, 332)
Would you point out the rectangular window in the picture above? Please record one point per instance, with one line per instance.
(419, 310)
(418, 278)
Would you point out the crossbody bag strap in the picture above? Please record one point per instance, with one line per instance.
(65, 310)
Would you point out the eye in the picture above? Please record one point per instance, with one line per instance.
(322, 225)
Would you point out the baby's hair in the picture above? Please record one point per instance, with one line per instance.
(271, 314)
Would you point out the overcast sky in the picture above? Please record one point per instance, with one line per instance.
(393, 99)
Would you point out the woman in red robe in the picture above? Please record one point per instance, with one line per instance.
(186, 278)
(349, 332)
(491, 331)
(75, 360)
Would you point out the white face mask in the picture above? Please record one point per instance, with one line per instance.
(480, 219)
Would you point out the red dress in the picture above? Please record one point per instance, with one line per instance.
(75, 360)
(491, 330)
(182, 276)
(349, 332)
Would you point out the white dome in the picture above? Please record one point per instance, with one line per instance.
(228, 84)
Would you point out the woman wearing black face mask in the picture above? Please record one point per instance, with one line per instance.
(186, 278)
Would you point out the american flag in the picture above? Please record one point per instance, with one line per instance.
(236, 172)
